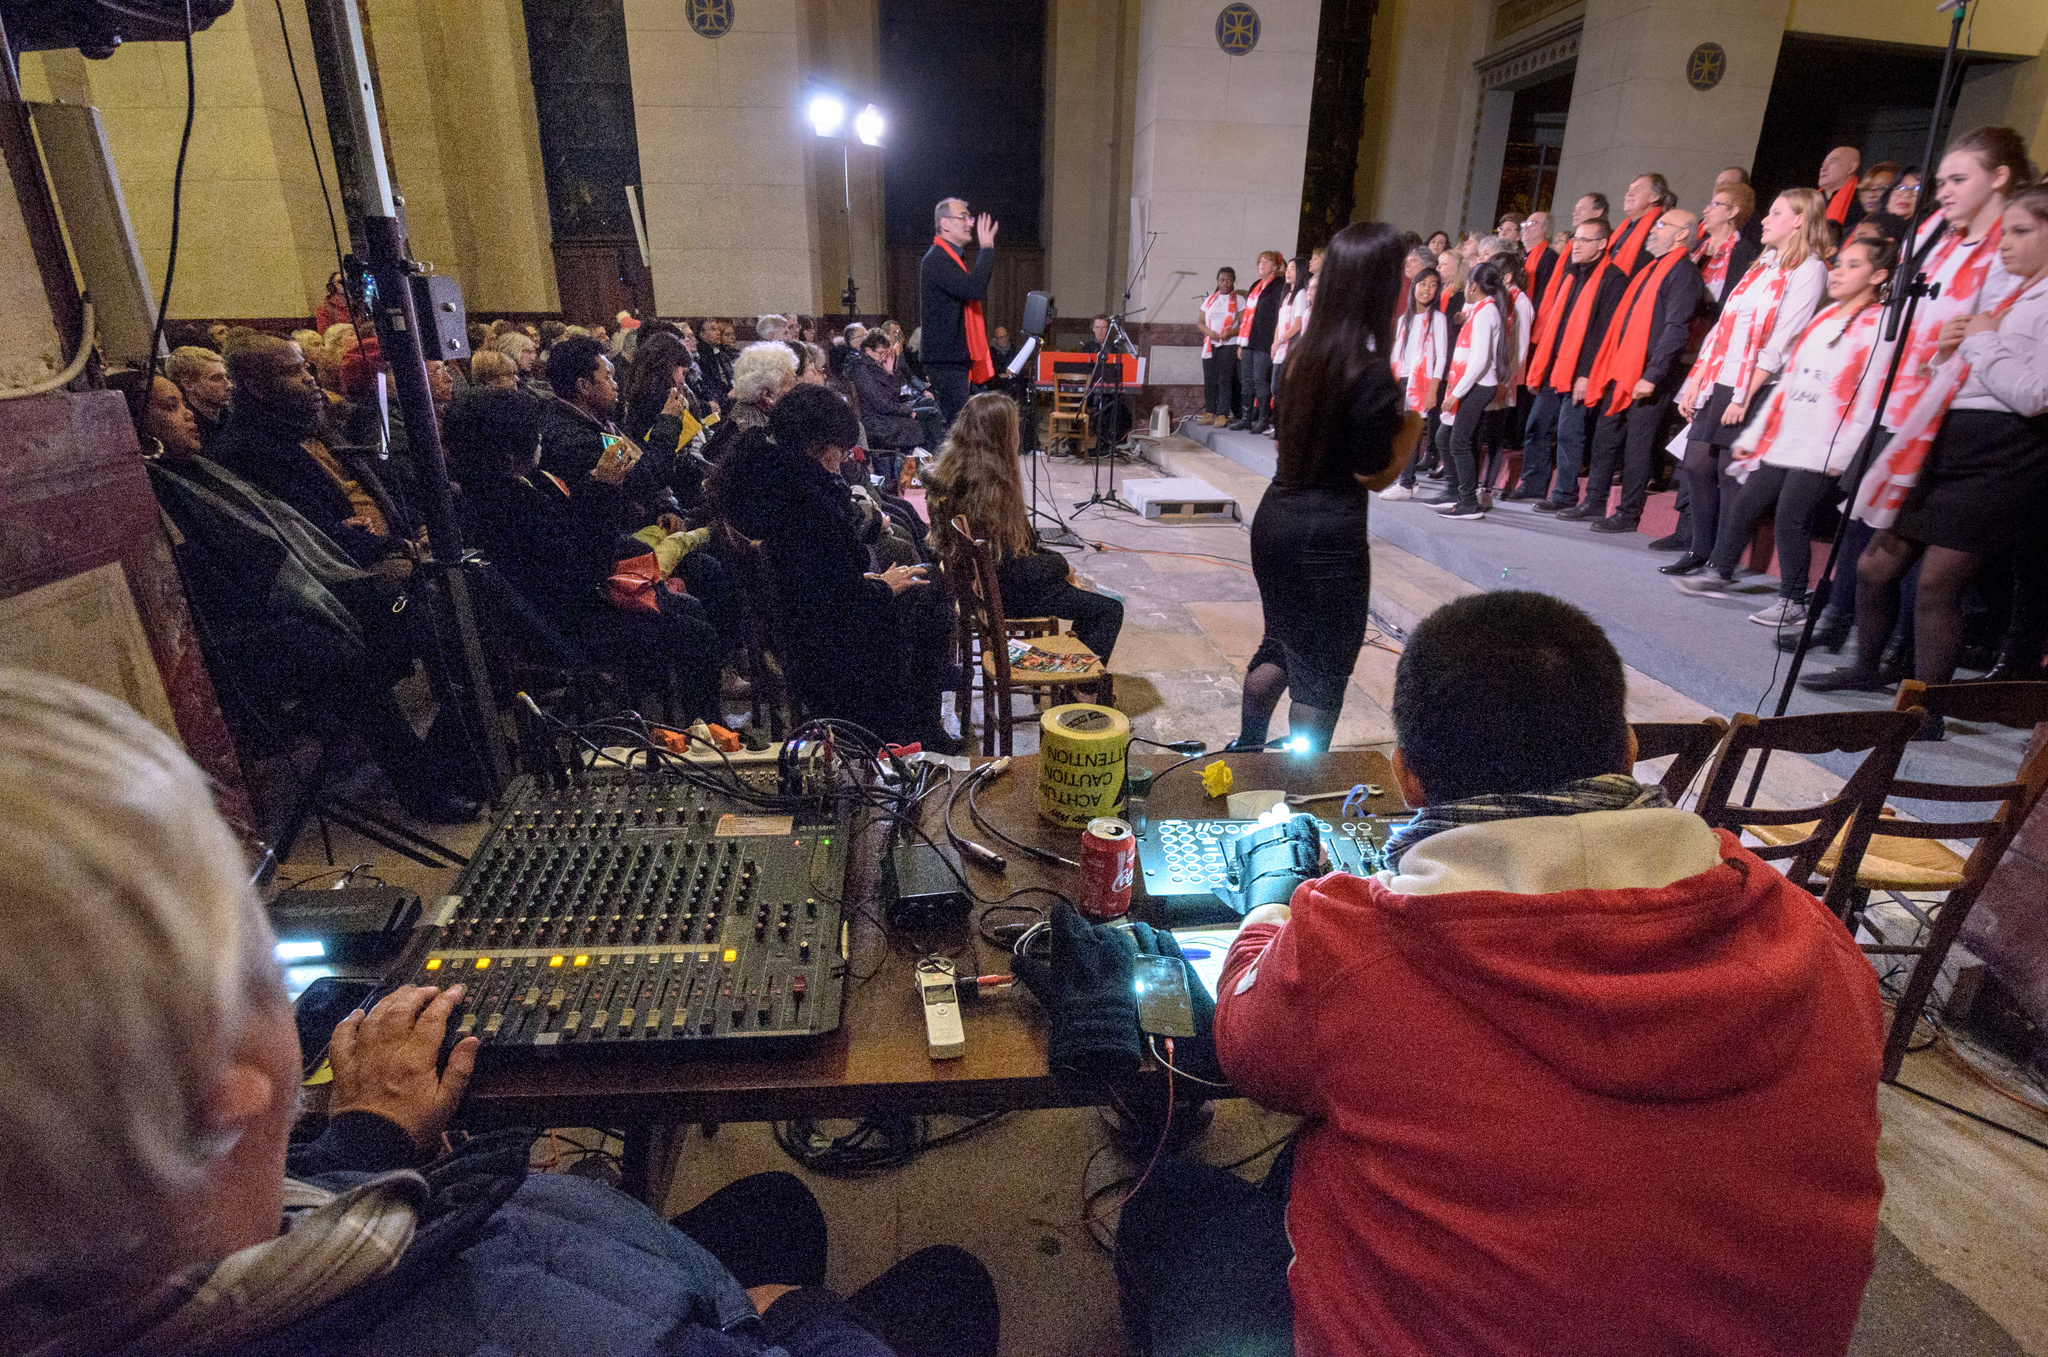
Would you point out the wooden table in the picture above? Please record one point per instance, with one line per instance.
(877, 1059)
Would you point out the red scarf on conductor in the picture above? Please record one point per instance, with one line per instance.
(982, 367)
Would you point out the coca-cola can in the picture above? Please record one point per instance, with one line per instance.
(1109, 867)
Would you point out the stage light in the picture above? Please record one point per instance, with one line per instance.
(868, 126)
(827, 114)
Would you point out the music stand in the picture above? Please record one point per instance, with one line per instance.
(1103, 451)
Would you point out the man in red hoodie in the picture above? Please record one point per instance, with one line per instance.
(1580, 1074)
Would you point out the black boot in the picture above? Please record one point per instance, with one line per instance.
(2014, 666)
(1830, 634)
(1897, 661)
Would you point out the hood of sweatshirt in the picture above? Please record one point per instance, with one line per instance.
(1638, 953)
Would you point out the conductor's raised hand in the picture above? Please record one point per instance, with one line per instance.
(985, 228)
(386, 1062)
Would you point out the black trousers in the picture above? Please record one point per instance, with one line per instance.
(1539, 442)
(950, 388)
(1466, 425)
(1097, 618)
(1796, 494)
(1219, 380)
(1704, 474)
(768, 1229)
(1628, 442)
(1201, 1262)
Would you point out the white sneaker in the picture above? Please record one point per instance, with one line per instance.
(1786, 612)
(1398, 491)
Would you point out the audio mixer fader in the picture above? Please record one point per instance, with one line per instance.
(638, 908)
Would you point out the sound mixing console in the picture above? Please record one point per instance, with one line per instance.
(641, 908)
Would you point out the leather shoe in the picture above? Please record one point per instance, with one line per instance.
(1615, 523)
(1556, 506)
(1684, 565)
(1517, 495)
(1581, 511)
(1825, 637)
(2013, 668)
(1672, 541)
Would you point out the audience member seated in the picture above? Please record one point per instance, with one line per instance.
(488, 367)
(274, 439)
(976, 475)
(557, 543)
(1629, 1104)
(284, 615)
(761, 376)
(202, 375)
(333, 308)
(525, 356)
(578, 433)
(891, 425)
(154, 1202)
(866, 646)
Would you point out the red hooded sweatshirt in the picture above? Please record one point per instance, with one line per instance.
(1597, 1084)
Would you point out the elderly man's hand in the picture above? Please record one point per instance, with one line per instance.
(384, 1062)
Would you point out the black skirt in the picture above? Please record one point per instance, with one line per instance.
(1312, 558)
(1984, 485)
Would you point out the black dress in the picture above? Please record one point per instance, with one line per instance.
(1983, 485)
(1311, 556)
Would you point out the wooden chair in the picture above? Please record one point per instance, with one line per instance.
(1800, 837)
(1069, 419)
(956, 571)
(1910, 855)
(982, 611)
(1693, 743)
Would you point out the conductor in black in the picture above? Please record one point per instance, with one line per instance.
(954, 344)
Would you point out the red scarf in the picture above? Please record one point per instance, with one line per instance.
(1627, 245)
(1851, 393)
(1768, 278)
(981, 367)
(1884, 490)
(1838, 206)
(1961, 269)
(1251, 304)
(1564, 361)
(1421, 348)
(1461, 356)
(1554, 285)
(1625, 352)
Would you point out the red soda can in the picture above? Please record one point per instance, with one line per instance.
(1109, 866)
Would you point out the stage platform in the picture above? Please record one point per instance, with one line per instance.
(1705, 648)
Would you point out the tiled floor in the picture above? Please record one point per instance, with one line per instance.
(1970, 1204)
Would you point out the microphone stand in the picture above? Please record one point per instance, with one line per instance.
(1104, 452)
(1904, 301)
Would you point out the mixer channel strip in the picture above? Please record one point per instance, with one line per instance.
(644, 911)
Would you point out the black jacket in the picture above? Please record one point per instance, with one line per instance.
(838, 627)
(1740, 256)
(1673, 308)
(943, 291)
(1266, 316)
(883, 411)
(264, 444)
(1613, 282)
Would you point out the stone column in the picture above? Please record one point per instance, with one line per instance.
(724, 159)
(1219, 149)
(1633, 110)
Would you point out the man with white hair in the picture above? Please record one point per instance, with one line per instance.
(1838, 171)
(954, 351)
(772, 328)
(152, 1068)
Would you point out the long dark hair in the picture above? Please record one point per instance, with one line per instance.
(1301, 275)
(1492, 280)
(655, 360)
(1350, 331)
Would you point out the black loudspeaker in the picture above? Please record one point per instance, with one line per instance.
(97, 27)
(444, 324)
(1039, 312)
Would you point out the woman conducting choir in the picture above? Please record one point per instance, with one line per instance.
(1343, 434)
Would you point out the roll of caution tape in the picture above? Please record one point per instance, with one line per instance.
(1081, 753)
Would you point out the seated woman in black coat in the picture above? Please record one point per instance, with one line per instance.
(891, 426)
(865, 646)
(976, 475)
(556, 545)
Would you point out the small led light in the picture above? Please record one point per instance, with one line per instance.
(483, 963)
(433, 963)
(311, 949)
(732, 954)
(555, 962)
(1298, 745)
(583, 961)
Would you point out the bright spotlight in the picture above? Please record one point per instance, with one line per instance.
(827, 114)
(868, 126)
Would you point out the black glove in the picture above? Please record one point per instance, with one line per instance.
(1195, 1055)
(1086, 991)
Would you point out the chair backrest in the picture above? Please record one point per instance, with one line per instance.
(1692, 742)
(1851, 813)
(2024, 705)
(981, 601)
